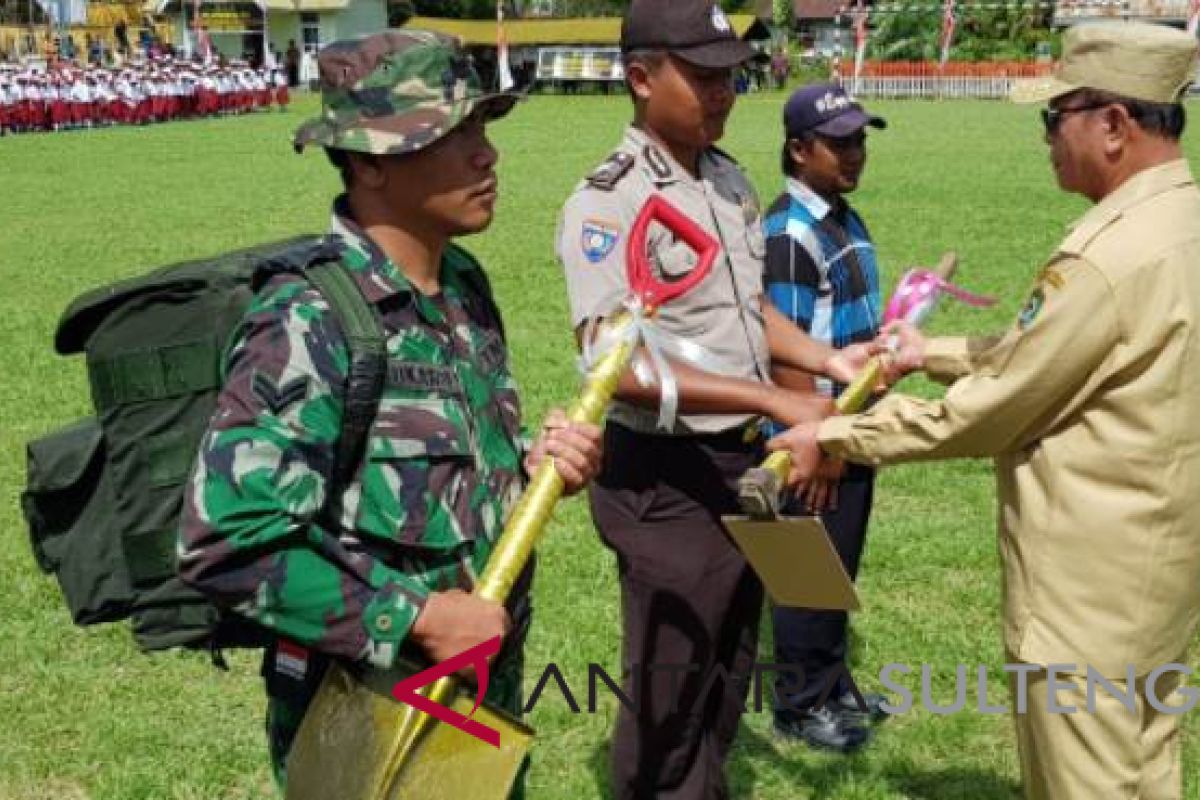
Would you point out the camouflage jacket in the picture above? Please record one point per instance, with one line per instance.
(441, 467)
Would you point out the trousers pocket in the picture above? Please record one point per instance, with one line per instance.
(68, 504)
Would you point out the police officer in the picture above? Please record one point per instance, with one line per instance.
(1087, 404)
(443, 459)
(690, 603)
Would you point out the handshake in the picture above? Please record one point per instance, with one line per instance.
(899, 350)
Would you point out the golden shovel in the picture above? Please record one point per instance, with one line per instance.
(359, 743)
(793, 556)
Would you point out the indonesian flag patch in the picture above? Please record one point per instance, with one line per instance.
(291, 660)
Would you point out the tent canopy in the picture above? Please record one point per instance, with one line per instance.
(532, 32)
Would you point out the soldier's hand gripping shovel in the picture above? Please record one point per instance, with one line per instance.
(357, 742)
(793, 556)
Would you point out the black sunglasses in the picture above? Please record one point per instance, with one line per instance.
(1052, 117)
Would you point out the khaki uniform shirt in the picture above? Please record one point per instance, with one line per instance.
(724, 313)
(1089, 405)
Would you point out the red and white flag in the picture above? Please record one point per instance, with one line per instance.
(860, 41)
(1193, 23)
(948, 24)
(503, 70)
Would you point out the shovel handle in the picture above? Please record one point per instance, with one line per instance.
(948, 265)
(760, 488)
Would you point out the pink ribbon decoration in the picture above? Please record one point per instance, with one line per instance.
(917, 293)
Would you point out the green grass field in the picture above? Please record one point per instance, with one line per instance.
(84, 715)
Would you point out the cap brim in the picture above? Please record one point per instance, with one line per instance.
(724, 54)
(310, 131)
(496, 106)
(1040, 90)
(849, 123)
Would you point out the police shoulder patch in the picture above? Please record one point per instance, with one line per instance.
(598, 238)
(608, 174)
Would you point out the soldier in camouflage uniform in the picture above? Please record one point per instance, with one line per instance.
(403, 118)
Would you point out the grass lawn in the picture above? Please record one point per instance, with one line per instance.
(84, 715)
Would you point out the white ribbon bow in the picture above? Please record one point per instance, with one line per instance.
(656, 343)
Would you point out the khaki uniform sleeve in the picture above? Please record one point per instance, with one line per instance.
(949, 358)
(1034, 375)
(592, 236)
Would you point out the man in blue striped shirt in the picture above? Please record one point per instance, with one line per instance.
(821, 273)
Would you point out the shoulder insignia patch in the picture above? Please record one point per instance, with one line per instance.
(598, 239)
(722, 154)
(658, 162)
(1033, 307)
(750, 209)
(1052, 277)
(608, 174)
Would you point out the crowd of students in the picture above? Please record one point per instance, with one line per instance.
(139, 93)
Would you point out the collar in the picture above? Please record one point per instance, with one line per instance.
(1144, 186)
(660, 166)
(373, 271)
(653, 159)
(377, 275)
(816, 205)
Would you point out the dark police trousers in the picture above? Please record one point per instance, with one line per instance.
(812, 640)
(690, 607)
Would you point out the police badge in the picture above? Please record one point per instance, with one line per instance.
(598, 239)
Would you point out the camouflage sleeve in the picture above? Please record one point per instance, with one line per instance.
(250, 534)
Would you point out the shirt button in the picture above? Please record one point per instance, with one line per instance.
(383, 622)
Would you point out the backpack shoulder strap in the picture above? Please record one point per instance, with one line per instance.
(367, 343)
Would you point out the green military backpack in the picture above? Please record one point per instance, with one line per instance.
(104, 494)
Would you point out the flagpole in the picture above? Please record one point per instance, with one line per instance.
(836, 73)
(948, 24)
(504, 78)
(268, 58)
(183, 30)
(860, 45)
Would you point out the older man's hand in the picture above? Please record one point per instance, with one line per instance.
(801, 441)
(906, 348)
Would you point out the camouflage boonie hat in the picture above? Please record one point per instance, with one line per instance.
(396, 92)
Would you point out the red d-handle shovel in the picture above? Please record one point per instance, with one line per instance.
(652, 292)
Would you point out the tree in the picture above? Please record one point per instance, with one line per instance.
(485, 9)
(781, 14)
(984, 33)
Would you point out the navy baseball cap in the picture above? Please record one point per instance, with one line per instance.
(825, 109)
